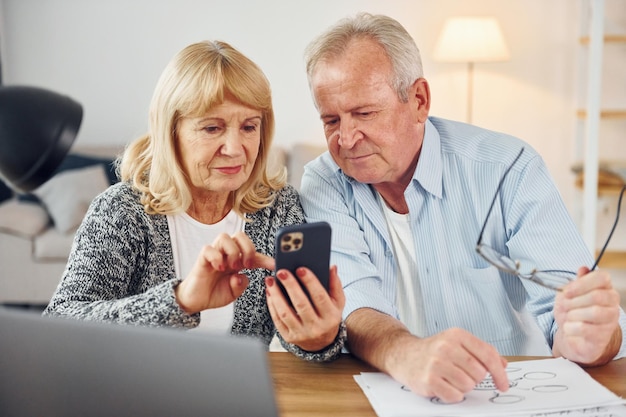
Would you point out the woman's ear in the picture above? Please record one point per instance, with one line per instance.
(420, 97)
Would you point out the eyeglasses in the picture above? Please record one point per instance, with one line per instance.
(554, 279)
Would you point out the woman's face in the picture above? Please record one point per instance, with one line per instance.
(218, 150)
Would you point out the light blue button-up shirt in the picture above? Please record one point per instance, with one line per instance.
(455, 180)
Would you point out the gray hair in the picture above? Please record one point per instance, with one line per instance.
(399, 46)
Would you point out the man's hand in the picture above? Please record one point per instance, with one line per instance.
(587, 313)
(450, 364)
(447, 365)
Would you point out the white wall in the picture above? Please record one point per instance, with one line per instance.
(109, 54)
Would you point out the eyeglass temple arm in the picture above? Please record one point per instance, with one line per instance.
(480, 236)
(619, 206)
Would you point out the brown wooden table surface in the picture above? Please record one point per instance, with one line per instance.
(318, 389)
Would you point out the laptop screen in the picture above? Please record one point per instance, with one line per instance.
(61, 367)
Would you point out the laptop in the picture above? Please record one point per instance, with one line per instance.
(61, 367)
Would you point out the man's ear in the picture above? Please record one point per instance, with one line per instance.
(420, 97)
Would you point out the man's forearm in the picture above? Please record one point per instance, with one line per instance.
(374, 337)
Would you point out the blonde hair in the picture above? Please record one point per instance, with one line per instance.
(194, 81)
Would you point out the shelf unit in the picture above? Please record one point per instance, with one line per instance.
(590, 117)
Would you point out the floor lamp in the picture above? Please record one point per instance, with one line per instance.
(471, 39)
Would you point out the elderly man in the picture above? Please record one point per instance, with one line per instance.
(408, 197)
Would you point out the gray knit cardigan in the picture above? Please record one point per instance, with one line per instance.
(121, 269)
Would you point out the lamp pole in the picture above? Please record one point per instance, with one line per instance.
(471, 39)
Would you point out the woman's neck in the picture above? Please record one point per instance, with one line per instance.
(211, 208)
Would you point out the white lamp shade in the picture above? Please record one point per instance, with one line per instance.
(471, 39)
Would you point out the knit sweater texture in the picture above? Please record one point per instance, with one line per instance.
(121, 269)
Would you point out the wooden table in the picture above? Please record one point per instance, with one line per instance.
(313, 389)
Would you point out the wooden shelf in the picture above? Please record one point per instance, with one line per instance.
(608, 190)
(607, 39)
(613, 259)
(604, 114)
(608, 183)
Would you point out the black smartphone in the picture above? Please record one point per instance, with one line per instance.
(305, 245)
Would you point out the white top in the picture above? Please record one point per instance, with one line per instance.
(188, 237)
(408, 291)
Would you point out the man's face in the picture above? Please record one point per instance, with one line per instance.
(373, 136)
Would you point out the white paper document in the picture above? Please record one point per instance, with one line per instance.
(538, 388)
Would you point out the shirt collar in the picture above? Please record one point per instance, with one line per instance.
(429, 170)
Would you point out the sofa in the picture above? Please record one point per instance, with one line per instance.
(37, 229)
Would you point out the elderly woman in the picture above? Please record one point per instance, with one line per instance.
(141, 256)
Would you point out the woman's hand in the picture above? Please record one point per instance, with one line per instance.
(215, 280)
(310, 324)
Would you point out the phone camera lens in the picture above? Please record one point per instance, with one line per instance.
(286, 248)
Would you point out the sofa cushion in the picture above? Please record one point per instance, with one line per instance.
(52, 245)
(76, 161)
(67, 195)
(23, 218)
(299, 156)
